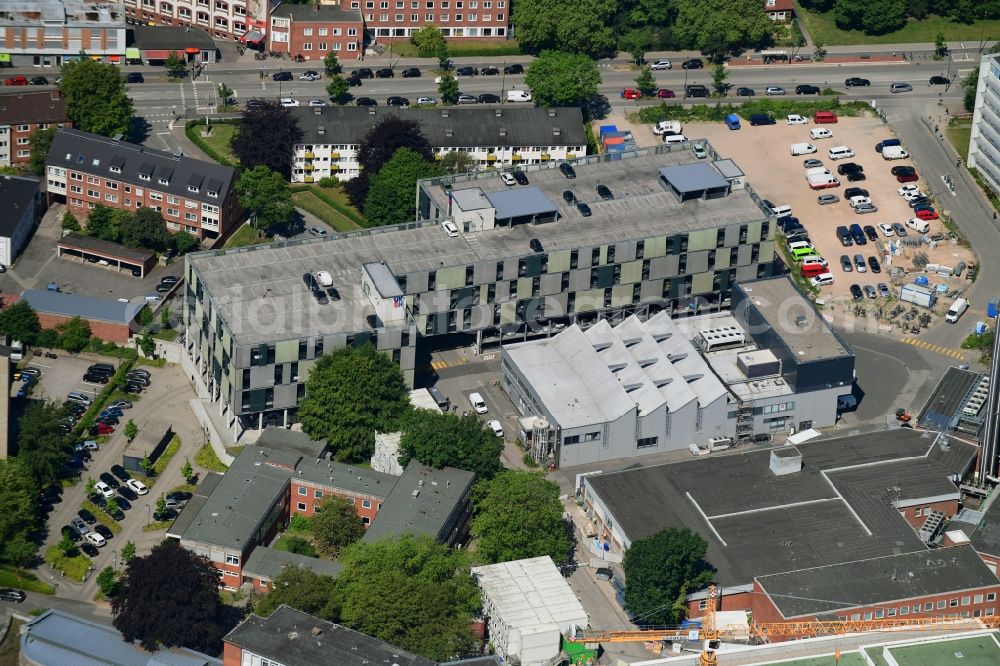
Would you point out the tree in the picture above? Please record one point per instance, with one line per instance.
(304, 590)
(146, 228)
(107, 582)
(165, 316)
(819, 50)
(265, 193)
(330, 63)
(66, 546)
(161, 504)
(645, 82)
(106, 223)
(349, 394)
(720, 76)
(718, 27)
(20, 322)
(131, 430)
(184, 242)
(128, 552)
(225, 92)
(175, 65)
(562, 79)
(148, 469)
(69, 222)
(448, 89)
(518, 515)
(147, 345)
(41, 141)
(428, 40)
(587, 29)
(336, 526)
(873, 17)
(456, 162)
(378, 146)
(409, 591)
(660, 571)
(299, 546)
(635, 42)
(187, 471)
(390, 195)
(337, 88)
(96, 99)
(74, 334)
(265, 137)
(41, 446)
(154, 587)
(91, 486)
(145, 316)
(113, 507)
(969, 87)
(940, 45)
(450, 440)
(18, 512)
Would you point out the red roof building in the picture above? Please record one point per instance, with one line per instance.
(779, 11)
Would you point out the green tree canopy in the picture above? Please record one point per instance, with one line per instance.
(660, 571)
(562, 79)
(74, 334)
(41, 141)
(717, 27)
(586, 29)
(337, 88)
(349, 394)
(41, 446)
(18, 512)
(873, 17)
(153, 590)
(265, 194)
(145, 228)
(518, 515)
(456, 162)
(336, 526)
(184, 242)
(265, 137)
(969, 86)
(448, 88)
(720, 80)
(390, 193)
(20, 322)
(106, 223)
(305, 590)
(378, 146)
(96, 99)
(450, 440)
(646, 83)
(175, 65)
(428, 40)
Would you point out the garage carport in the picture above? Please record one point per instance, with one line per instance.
(106, 253)
(694, 181)
(523, 205)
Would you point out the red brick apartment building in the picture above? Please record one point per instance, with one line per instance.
(21, 115)
(86, 169)
(315, 30)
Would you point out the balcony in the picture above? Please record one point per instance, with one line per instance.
(334, 167)
(516, 157)
(308, 167)
(308, 179)
(546, 157)
(491, 158)
(334, 156)
(309, 155)
(571, 156)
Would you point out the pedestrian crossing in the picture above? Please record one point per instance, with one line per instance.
(954, 353)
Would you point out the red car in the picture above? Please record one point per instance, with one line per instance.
(927, 214)
(907, 178)
(631, 93)
(104, 429)
(16, 81)
(663, 93)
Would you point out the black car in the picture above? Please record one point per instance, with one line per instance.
(489, 98)
(96, 379)
(163, 288)
(333, 294)
(281, 76)
(39, 81)
(120, 472)
(939, 81)
(70, 532)
(870, 232)
(902, 170)
(693, 63)
(108, 479)
(855, 192)
(137, 379)
(696, 90)
(397, 101)
(849, 167)
(761, 119)
(604, 192)
(520, 177)
(856, 81)
(179, 496)
(353, 81)
(251, 104)
(140, 373)
(87, 516)
(364, 73)
(134, 388)
(169, 279)
(918, 201)
(489, 71)
(10, 594)
(569, 197)
(123, 503)
(321, 297)
(104, 531)
(745, 92)
(99, 500)
(874, 265)
(856, 177)
(844, 236)
(411, 73)
(160, 516)
(365, 101)
(567, 170)
(136, 77)
(513, 69)
(466, 71)
(89, 549)
(384, 73)
(583, 208)
(535, 245)
(127, 492)
(806, 89)
(856, 292)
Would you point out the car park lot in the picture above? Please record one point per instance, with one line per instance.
(763, 155)
(64, 374)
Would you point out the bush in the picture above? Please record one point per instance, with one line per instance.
(47, 338)
(300, 524)
(327, 181)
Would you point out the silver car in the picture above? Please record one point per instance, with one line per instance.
(900, 88)
(861, 209)
(859, 263)
(825, 199)
(774, 90)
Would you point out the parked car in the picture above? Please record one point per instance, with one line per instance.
(134, 77)
(825, 199)
(489, 98)
(899, 228)
(489, 71)
(364, 73)
(89, 549)
(138, 486)
(71, 532)
(104, 531)
(281, 76)
(16, 81)
(584, 209)
(631, 93)
(395, 100)
(900, 87)
(870, 233)
(870, 291)
(939, 81)
(128, 493)
(856, 81)
(665, 93)
(384, 73)
(874, 266)
(411, 73)
(812, 163)
(743, 91)
(107, 478)
(845, 263)
(365, 101)
(11, 594)
(660, 65)
(309, 75)
(514, 69)
(693, 63)
(851, 192)
(856, 292)
(774, 90)
(761, 119)
(883, 290)
(466, 71)
(120, 472)
(86, 516)
(567, 170)
(521, 178)
(806, 89)
(604, 192)
(39, 81)
(886, 229)
(466, 99)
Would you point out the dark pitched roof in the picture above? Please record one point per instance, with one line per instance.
(165, 37)
(838, 508)
(16, 196)
(93, 154)
(943, 408)
(421, 502)
(875, 581)
(93, 245)
(313, 13)
(522, 126)
(291, 440)
(294, 637)
(32, 107)
(87, 307)
(270, 563)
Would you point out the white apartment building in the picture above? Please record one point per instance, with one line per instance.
(223, 19)
(47, 33)
(984, 146)
(493, 136)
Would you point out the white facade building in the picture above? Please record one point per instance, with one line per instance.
(528, 605)
(47, 33)
(984, 145)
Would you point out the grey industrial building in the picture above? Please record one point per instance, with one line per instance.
(524, 263)
(639, 388)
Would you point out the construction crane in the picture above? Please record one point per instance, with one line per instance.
(711, 635)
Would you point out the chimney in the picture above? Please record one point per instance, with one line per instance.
(444, 113)
(552, 112)
(498, 113)
(449, 132)
(503, 131)
(321, 130)
(556, 131)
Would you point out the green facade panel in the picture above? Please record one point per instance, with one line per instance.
(286, 351)
(524, 287)
(603, 255)
(559, 261)
(766, 252)
(722, 258)
(702, 283)
(753, 232)
(703, 239)
(508, 312)
(631, 272)
(450, 278)
(587, 301)
(621, 295)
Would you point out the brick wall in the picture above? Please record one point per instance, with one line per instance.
(117, 333)
(948, 508)
(304, 500)
(314, 46)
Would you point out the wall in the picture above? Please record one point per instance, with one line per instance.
(312, 502)
(118, 333)
(232, 655)
(948, 507)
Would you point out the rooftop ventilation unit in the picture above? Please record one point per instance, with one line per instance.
(721, 337)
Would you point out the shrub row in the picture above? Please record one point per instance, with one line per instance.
(117, 381)
(774, 108)
(196, 139)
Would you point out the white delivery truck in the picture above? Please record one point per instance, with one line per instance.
(821, 181)
(914, 293)
(894, 153)
(956, 310)
(518, 96)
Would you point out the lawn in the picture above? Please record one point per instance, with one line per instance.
(10, 650)
(960, 134)
(823, 29)
(13, 577)
(219, 140)
(245, 235)
(168, 453)
(460, 48)
(308, 201)
(74, 567)
(207, 459)
(102, 517)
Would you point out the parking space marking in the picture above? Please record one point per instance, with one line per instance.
(932, 347)
(440, 365)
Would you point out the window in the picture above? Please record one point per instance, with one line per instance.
(868, 615)
(429, 18)
(115, 169)
(953, 603)
(156, 196)
(352, 32)
(414, 17)
(113, 198)
(191, 217)
(366, 504)
(307, 32)
(978, 599)
(701, 605)
(318, 494)
(904, 610)
(366, 520)
(879, 614)
(458, 17)
(966, 601)
(353, 46)
(323, 32)
(301, 506)
(992, 596)
(233, 559)
(916, 608)
(23, 128)
(646, 442)
(941, 604)
(307, 46)
(93, 181)
(143, 176)
(303, 490)
(572, 439)
(336, 32)
(322, 46)
(399, 17)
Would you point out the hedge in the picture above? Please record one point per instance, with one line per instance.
(774, 108)
(197, 140)
(97, 405)
(340, 208)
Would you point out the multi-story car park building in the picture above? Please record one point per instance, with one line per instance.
(492, 137)
(48, 33)
(314, 30)
(86, 169)
(525, 262)
(641, 388)
(223, 19)
(21, 115)
(984, 144)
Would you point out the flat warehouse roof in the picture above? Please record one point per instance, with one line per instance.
(834, 510)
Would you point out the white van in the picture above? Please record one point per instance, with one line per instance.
(820, 133)
(918, 225)
(894, 153)
(674, 138)
(478, 403)
(956, 310)
(802, 149)
(839, 153)
(667, 128)
(822, 280)
(518, 96)
(782, 211)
